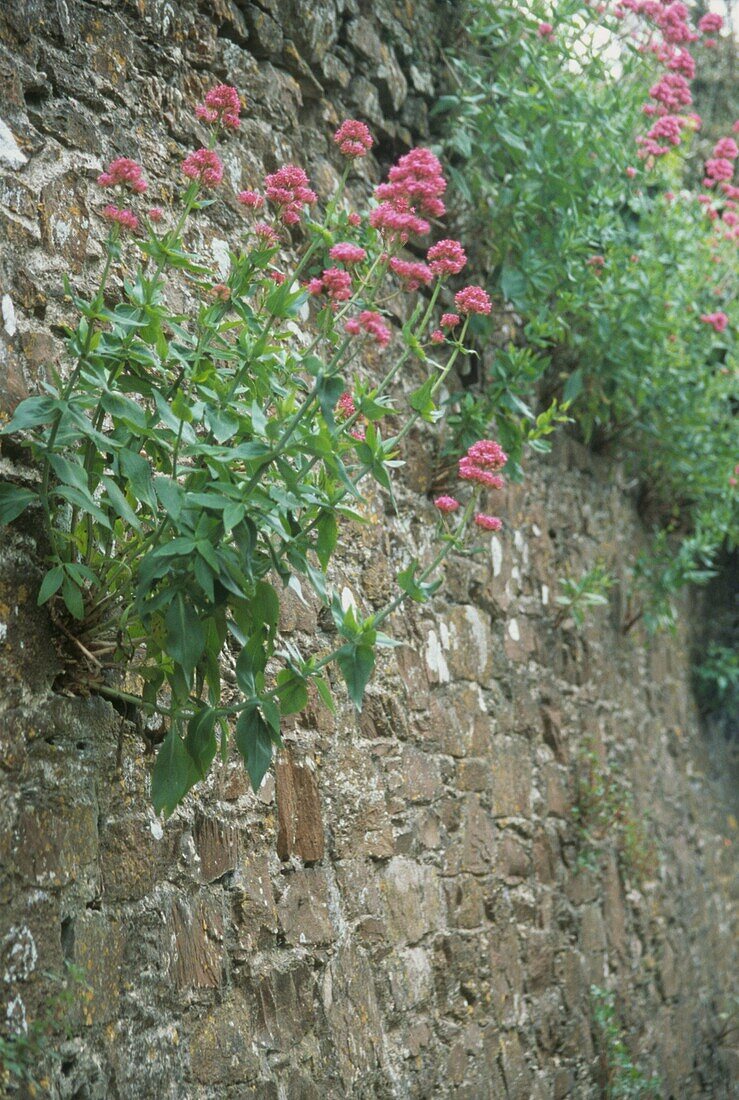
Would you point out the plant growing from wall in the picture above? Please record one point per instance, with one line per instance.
(620, 1077)
(574, 150)
(194, 459)
(605, 817)
(576, 598)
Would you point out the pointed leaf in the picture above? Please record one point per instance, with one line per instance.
(254, 742)
(175, 772)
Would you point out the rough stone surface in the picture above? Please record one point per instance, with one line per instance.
(400, 912)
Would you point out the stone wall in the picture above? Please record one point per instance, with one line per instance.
(404, 909)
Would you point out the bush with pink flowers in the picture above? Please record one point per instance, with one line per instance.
(192, 462)
(607, 214)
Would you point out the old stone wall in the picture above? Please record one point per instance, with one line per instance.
(406, 909)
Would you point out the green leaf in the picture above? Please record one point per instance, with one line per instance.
(327, 531)
(291, 691)
(51, 583)
(170, 495)
(421, 401)
(13, 501)
(73, 599)
(30, 413)
(138, 471)
(175, 772)
(200, 741)
(85, 502)
(122, 408)
(266, 607)
(573, 386)
(120, 505)
(356, 663)
(254, 742)
(325, 692)
(513, 284)
(185, 635)
(329, 390)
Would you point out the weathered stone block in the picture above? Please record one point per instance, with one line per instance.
(300, 824)
(303, 909)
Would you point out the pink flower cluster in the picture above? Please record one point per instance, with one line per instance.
(545, 30)
(710, 23)
(347, 253)
(346, 408)
(718, 321)
(412, 194)
(126, 219)
(288, 189)
(672, 91)
(720, 167)
(447, 257)
(449, 320)
(411, 273)
(123, 172)
(353, 138)
(334, 282)
(252, 199)
(480, 464)
(372, 323)
(203, 165)
(222, 105)
(473, 299)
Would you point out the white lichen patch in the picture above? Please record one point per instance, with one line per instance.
(3, 632)
(9, 151)
(496, 553)
(9, 322)
(19, 955)
(545, 594)
(219, 248)
(513, 630)
(435, 659)
(479, 633)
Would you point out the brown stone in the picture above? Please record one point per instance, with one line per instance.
(196, 930)
(303, 908)
(222, 1046)
(97, 945)
(217, 846)
(413, 900)
(512, 778)
(300, 825)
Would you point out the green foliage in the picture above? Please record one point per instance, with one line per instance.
(620, 1077)
(578, 597)
(194, 463)
(717, 678)
(609, 273)
(605, 815)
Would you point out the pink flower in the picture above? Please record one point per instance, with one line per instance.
(315, 286)
(669, 196)
(545, 30)
(354, 219)
(437, 336)
(726, 148)
(730, 218)
(487, 453)
(710, 23)
(221, 292)
(449, 320)
(473, 299)
(488, 523)
(277, 277)
(631, 172)
(412, 273)
(205, 166)
(334, 282)
(397, 219)
(718, 168)
(371, 323)
(446, 258)
(717, 321)
(252, 199)
(222, 104)
(266, 235)
(416, 178)
(346, 253)
(126, 219)
(682, 61)
(598, 262)
(288, 189)
(667, 128)
(345, 406)
(672, 91)
(155, 214)
(353, 138)
(123, 172)
(358, 433)
(446, 504)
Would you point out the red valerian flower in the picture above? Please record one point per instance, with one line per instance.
(353, 138)
(205, 166)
